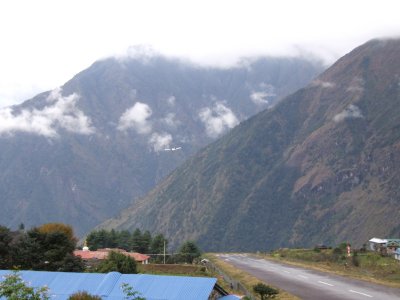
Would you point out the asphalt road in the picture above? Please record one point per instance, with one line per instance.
(310, 284)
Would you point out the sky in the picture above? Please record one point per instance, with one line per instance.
(44, 43)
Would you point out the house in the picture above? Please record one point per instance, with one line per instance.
(397, 254)
(101, 254)
(392, 245)
(61, 285)
(375, 244)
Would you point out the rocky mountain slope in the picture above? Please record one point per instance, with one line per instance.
(322, 166)
(81, 153)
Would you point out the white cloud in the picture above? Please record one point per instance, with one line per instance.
(170, 120)
(63, 113)
(217, 119)
(262, 94)
(260, 98)
(58, 58)
(356, 85)
(159, 141)
(323, 84)
(171, 101)
(136, 118)
(351, 111)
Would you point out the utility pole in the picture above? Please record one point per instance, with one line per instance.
(164, 251)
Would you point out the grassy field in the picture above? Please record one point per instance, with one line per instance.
(369, 266)
(169, 269)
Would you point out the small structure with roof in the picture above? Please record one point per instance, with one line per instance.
(375, 244)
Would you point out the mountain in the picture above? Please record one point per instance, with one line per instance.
(322, 166)
(80, 153)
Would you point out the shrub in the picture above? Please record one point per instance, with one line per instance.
(14, 288)
(265, 291)
(83, 296)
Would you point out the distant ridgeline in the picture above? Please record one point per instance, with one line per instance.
(322, 166)
(81, 153)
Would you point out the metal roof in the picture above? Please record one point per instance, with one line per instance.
(229, 297)
(378, 241)
(108, 286)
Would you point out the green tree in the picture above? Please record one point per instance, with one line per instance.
(50, 251)
(265, 291)
(157, 246)
(124, 240)
(5, 254)
(14, 288)
(146, 241)
(189, 251)
(118, 262)
(136, 241)
(58, 227)
(130, 293)
(83, 295)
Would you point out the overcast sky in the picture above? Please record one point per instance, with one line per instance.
(44, 43)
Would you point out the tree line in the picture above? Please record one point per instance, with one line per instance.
(48, 247)
(142, 242)
(136, 241)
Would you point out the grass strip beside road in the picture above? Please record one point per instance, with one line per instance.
(244, 278)
(366, 271)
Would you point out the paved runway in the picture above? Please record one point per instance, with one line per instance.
(310, 284)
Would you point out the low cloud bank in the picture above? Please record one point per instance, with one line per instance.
(323, 84)
(217, 119)
(136, 118)
(159, 141)
(351, 111)
(60, 113)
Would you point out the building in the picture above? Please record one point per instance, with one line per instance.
(61, 285)
(375, 244)
(101, 254)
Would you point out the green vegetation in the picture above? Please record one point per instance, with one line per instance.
(130, 293)
(247, 280)
(117, 262)
(136, 241)
(188, 252)
(48, 247)
(371, 266)
(265, 291)
(83, 295)
(14, 288)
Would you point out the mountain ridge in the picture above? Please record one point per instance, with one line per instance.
(82, 152)
(319, 167)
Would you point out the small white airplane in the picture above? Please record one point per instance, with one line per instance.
(173, 149)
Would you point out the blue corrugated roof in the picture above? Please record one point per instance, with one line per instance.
(229, 297)
(153, 287)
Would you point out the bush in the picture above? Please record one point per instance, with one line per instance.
(14, 288)
(355, 260)
(83, 296)
(265, 291)
(118, 262)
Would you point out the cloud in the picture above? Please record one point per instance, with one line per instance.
(170, 120)
(351, 111)
(261, 95)
(356, 85)
(217, 119)
(136, 118)
(159, 141)
(260, 98)
(62, 113)
(171, 101)
(323, 84)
